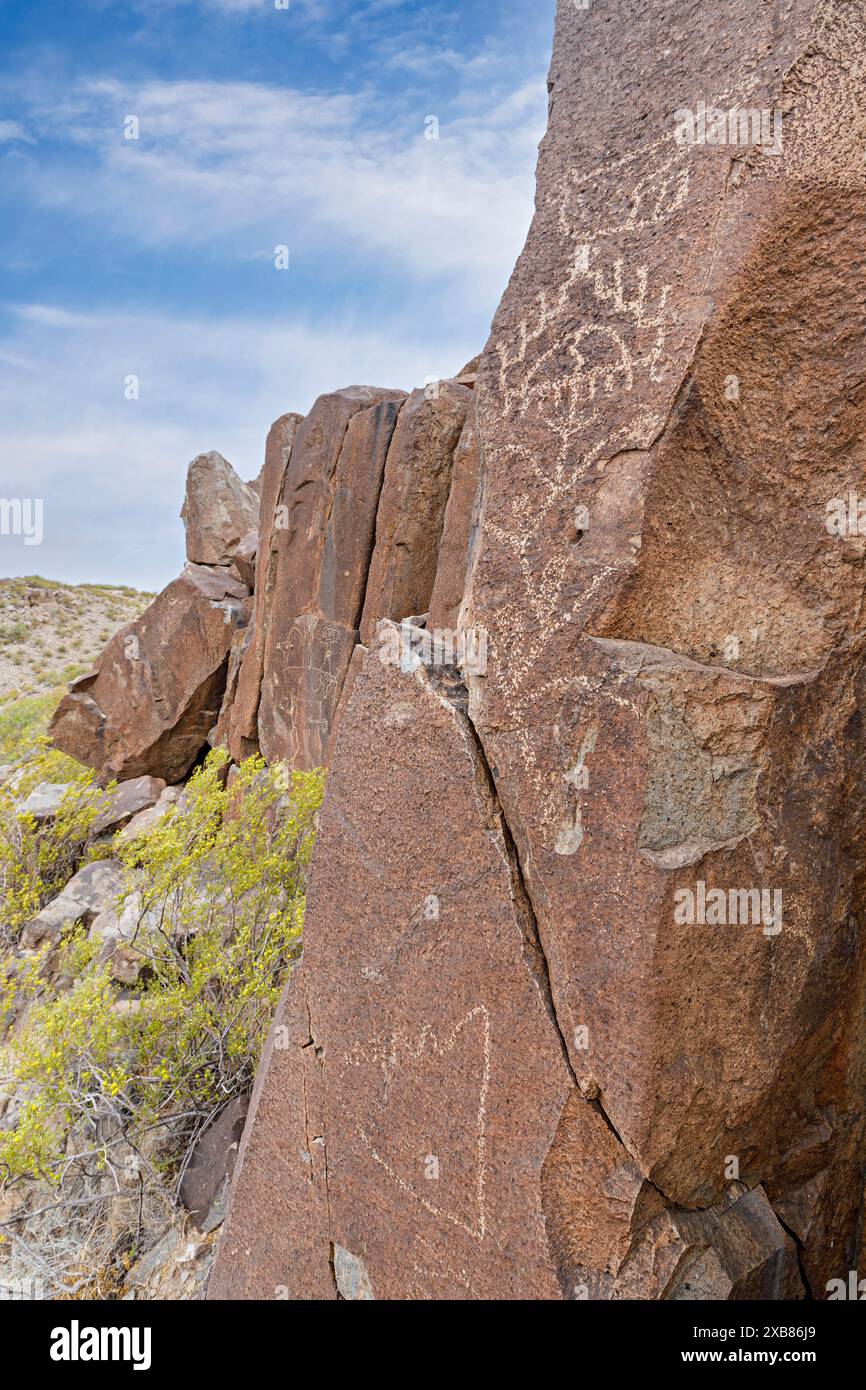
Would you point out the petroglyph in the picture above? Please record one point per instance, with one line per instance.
(392, 1054)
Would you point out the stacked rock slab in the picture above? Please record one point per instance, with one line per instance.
(153, 699)
(155, 692)
(240, 718)
(580, 1010)
(412, 507)
(324, 525)
(219, 510)
(350, 533)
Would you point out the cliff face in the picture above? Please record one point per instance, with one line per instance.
(580, 1012)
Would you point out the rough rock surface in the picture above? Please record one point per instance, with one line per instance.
(84, 898)
(452, 563)
(125, 801)
(412, 506)
(244, 561)
(154, 694)
(624, 1056)
(327, 513)
(219, 511)
(240, 724)
(44, 801)
(441, 967)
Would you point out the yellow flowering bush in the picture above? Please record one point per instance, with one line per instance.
(37, 859)
(219, 895)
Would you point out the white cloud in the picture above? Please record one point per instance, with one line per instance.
(244, 166)
(111, 471)
(12, 130)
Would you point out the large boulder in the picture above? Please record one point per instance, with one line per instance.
(126, 800)
(218, 512)
(155, 692)
(353, 504)
(674, 696)
(458, 1155)
(435, 948)
(88, 893)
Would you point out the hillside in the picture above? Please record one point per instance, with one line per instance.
(51, 632)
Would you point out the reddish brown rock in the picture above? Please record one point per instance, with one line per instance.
(453, 558)
(326, 518)
(240, 727)
(221, 734)
(673, 720)
(674, 696)
(412, 506)
(218, 511)
(422, 1014)
(155, 692)
(453, 1153)
(244, 561)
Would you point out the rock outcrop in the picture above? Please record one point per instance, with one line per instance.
(581, 1006)
(326, 516)
(218, 512)
(580, 1011)
(155, 693)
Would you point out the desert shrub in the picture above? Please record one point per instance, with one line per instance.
(22, 720)
(37, 859)
(220, 903)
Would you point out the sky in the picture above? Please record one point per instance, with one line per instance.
(156, 156)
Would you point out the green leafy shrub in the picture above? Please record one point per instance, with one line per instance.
(23, 720)
(37, 860)
(220, 900)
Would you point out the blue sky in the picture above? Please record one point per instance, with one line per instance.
(153, 257)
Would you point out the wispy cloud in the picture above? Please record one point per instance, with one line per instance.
(13, 130)
(111, 470)
(247, 166)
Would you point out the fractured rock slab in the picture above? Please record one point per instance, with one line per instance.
(326, 516)
(674, 697)
(460, 521)
(418, 1019)
(240, 723)
(156, 690)
(412, 507)
(219, 510)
